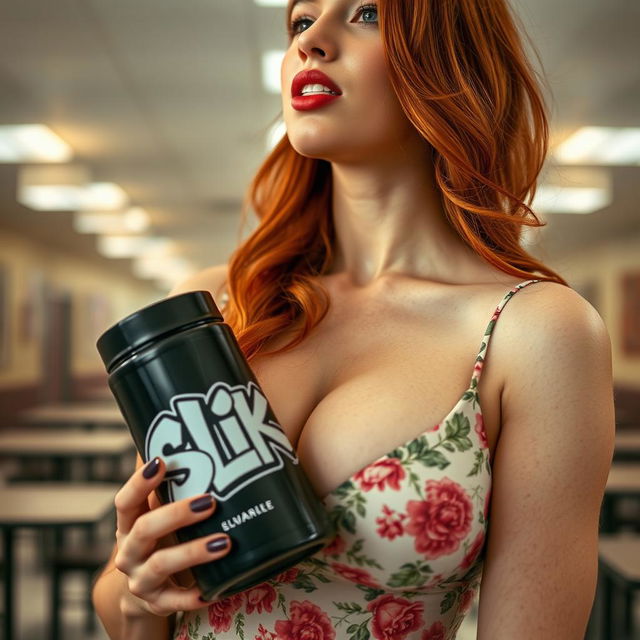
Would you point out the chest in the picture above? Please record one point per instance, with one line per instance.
(367, 381)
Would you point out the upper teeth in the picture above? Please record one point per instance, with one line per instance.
(316, 88)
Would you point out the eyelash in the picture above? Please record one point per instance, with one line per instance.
(361, 9)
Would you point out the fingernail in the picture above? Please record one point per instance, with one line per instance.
(201, 504)
(218, 544)
(151, 469)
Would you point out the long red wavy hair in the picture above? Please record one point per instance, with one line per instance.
(460, 72)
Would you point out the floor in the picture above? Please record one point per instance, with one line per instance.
(32, 597)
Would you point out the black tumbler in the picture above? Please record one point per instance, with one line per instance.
(189, 396)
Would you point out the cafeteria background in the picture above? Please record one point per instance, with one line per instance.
(129, 131)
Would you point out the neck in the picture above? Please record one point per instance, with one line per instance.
(390, 220)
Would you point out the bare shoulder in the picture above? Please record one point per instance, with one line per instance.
(211, 279)
(547, 322)
(547, 325)
(555, 356)
(550, 467)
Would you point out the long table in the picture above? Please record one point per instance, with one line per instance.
(88, 415)
(624, 479)
(619, 579)
(623, 482)
(66, 446)
(627, 446)
(45, 506)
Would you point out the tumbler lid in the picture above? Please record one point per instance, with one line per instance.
(155, 320)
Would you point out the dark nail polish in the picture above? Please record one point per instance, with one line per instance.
(201, 504)
(218, 544)
(151, 469)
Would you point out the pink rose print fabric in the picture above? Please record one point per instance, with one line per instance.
(380, 475)
(435, 632)
(306, 622)
(260, 598)
(405, 561)
(391, 523)
(441, 521)
(221, 613)
(393, 618)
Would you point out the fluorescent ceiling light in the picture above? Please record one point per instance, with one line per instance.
(66, 188)
(101, 196)
(133, 220)
(167, 270)
(601, 146)
(574, 190)
(160, 267)
(557, 199)
(271, 63)
(131, 246)
(50, 198)
(32, 143)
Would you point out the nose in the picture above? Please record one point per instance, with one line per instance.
(317, 40)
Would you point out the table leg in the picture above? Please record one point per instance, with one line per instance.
(58, 540)
(115, 471)
(90, 463)
(607, 514)
(7, 548)
(607, 605)
(592, 624)
(628, 610)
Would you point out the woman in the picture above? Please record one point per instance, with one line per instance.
(390, 223)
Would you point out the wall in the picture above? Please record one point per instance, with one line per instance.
(99, 298)
(596, 272)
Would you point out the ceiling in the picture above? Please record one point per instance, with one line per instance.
(165, 98)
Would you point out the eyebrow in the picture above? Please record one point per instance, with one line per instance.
(296, 2)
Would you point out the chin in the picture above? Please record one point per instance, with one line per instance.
(312, 147)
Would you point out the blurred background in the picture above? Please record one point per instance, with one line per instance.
(129, 132)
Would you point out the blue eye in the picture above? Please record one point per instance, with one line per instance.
(363, 9)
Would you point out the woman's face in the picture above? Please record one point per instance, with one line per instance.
(341, 38)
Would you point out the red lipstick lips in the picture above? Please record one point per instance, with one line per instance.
(312, 101)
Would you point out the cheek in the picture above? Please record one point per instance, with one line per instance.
(380, 103)
(376, 83)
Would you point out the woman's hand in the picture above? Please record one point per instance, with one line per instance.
(139, 555)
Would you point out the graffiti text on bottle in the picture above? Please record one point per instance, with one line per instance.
(219, 442)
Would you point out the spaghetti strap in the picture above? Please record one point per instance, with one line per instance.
(482, 353)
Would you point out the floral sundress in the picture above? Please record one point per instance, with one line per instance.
(407, 557)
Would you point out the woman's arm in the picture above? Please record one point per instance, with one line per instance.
(132, 598)
(117, 609)
(120, 619)
(550, 470)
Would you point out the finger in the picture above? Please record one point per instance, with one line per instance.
(174, 599)
(154, 501)
(154, 525)
(165, 562)
(131, 499)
